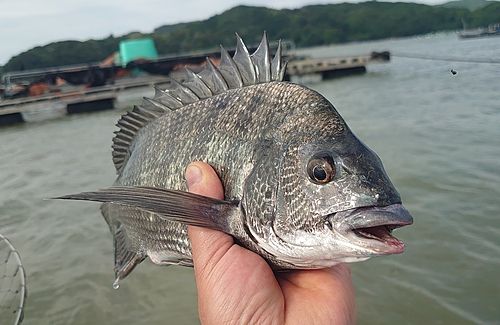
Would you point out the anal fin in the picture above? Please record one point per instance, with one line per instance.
(126, 258)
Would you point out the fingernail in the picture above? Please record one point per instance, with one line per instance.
(193, 175)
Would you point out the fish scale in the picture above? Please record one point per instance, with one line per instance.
(266, 139)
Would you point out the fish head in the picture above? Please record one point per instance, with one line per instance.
(334, 200)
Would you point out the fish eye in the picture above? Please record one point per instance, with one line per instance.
(321, 170)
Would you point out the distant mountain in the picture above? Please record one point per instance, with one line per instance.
(170, 28)
(467, 4)
(306, 26)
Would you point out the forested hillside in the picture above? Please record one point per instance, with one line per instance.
(307, 26)
(468, 4)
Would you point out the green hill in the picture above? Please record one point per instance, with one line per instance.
(313, 25)
(484, 16)
(307, 26)
(467, 4)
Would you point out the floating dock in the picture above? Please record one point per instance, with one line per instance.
(39, 108)
(332, 67)
(105, 94)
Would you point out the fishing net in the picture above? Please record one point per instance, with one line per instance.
(12, 284)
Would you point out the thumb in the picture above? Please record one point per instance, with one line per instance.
(230, 279)
(208, 246)
(203, 180)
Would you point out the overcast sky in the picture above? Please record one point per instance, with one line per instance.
(28, 23)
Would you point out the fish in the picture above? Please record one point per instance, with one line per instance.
(300, 189)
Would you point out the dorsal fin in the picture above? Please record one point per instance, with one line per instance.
(244, 62)
(229, 70)
(261, 61)
(213, 78)
(196, 84)
(234, 72)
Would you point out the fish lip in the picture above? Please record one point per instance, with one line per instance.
(370, 227)
(395, 215)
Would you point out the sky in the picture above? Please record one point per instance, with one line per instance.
(25, 24)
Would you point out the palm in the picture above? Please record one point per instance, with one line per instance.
(236, 285)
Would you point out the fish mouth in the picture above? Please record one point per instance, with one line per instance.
(371, 227)
(384, 235)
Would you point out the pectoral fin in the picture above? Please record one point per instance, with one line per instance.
(180, 206)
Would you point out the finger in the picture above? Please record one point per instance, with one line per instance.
(208, 246)
(332, 285)
(338, 276)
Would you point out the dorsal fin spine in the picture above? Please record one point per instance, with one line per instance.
(157, 104)
(244, 62)
(282, 71)
(198, 85)
(166, 99)
(276, 64)
(260, 60)
(182, 93)
(217, 75)
(229, 70)
(234, 72)
(212, 77)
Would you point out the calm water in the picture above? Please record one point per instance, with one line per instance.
(439, 138)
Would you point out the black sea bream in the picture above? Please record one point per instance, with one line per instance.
(300, 189)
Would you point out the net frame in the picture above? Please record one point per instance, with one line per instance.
(12, 256)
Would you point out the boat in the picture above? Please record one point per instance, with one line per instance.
(491, 30)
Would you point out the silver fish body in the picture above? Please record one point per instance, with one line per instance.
(300, 189)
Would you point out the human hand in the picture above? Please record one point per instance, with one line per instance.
(237, 286)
